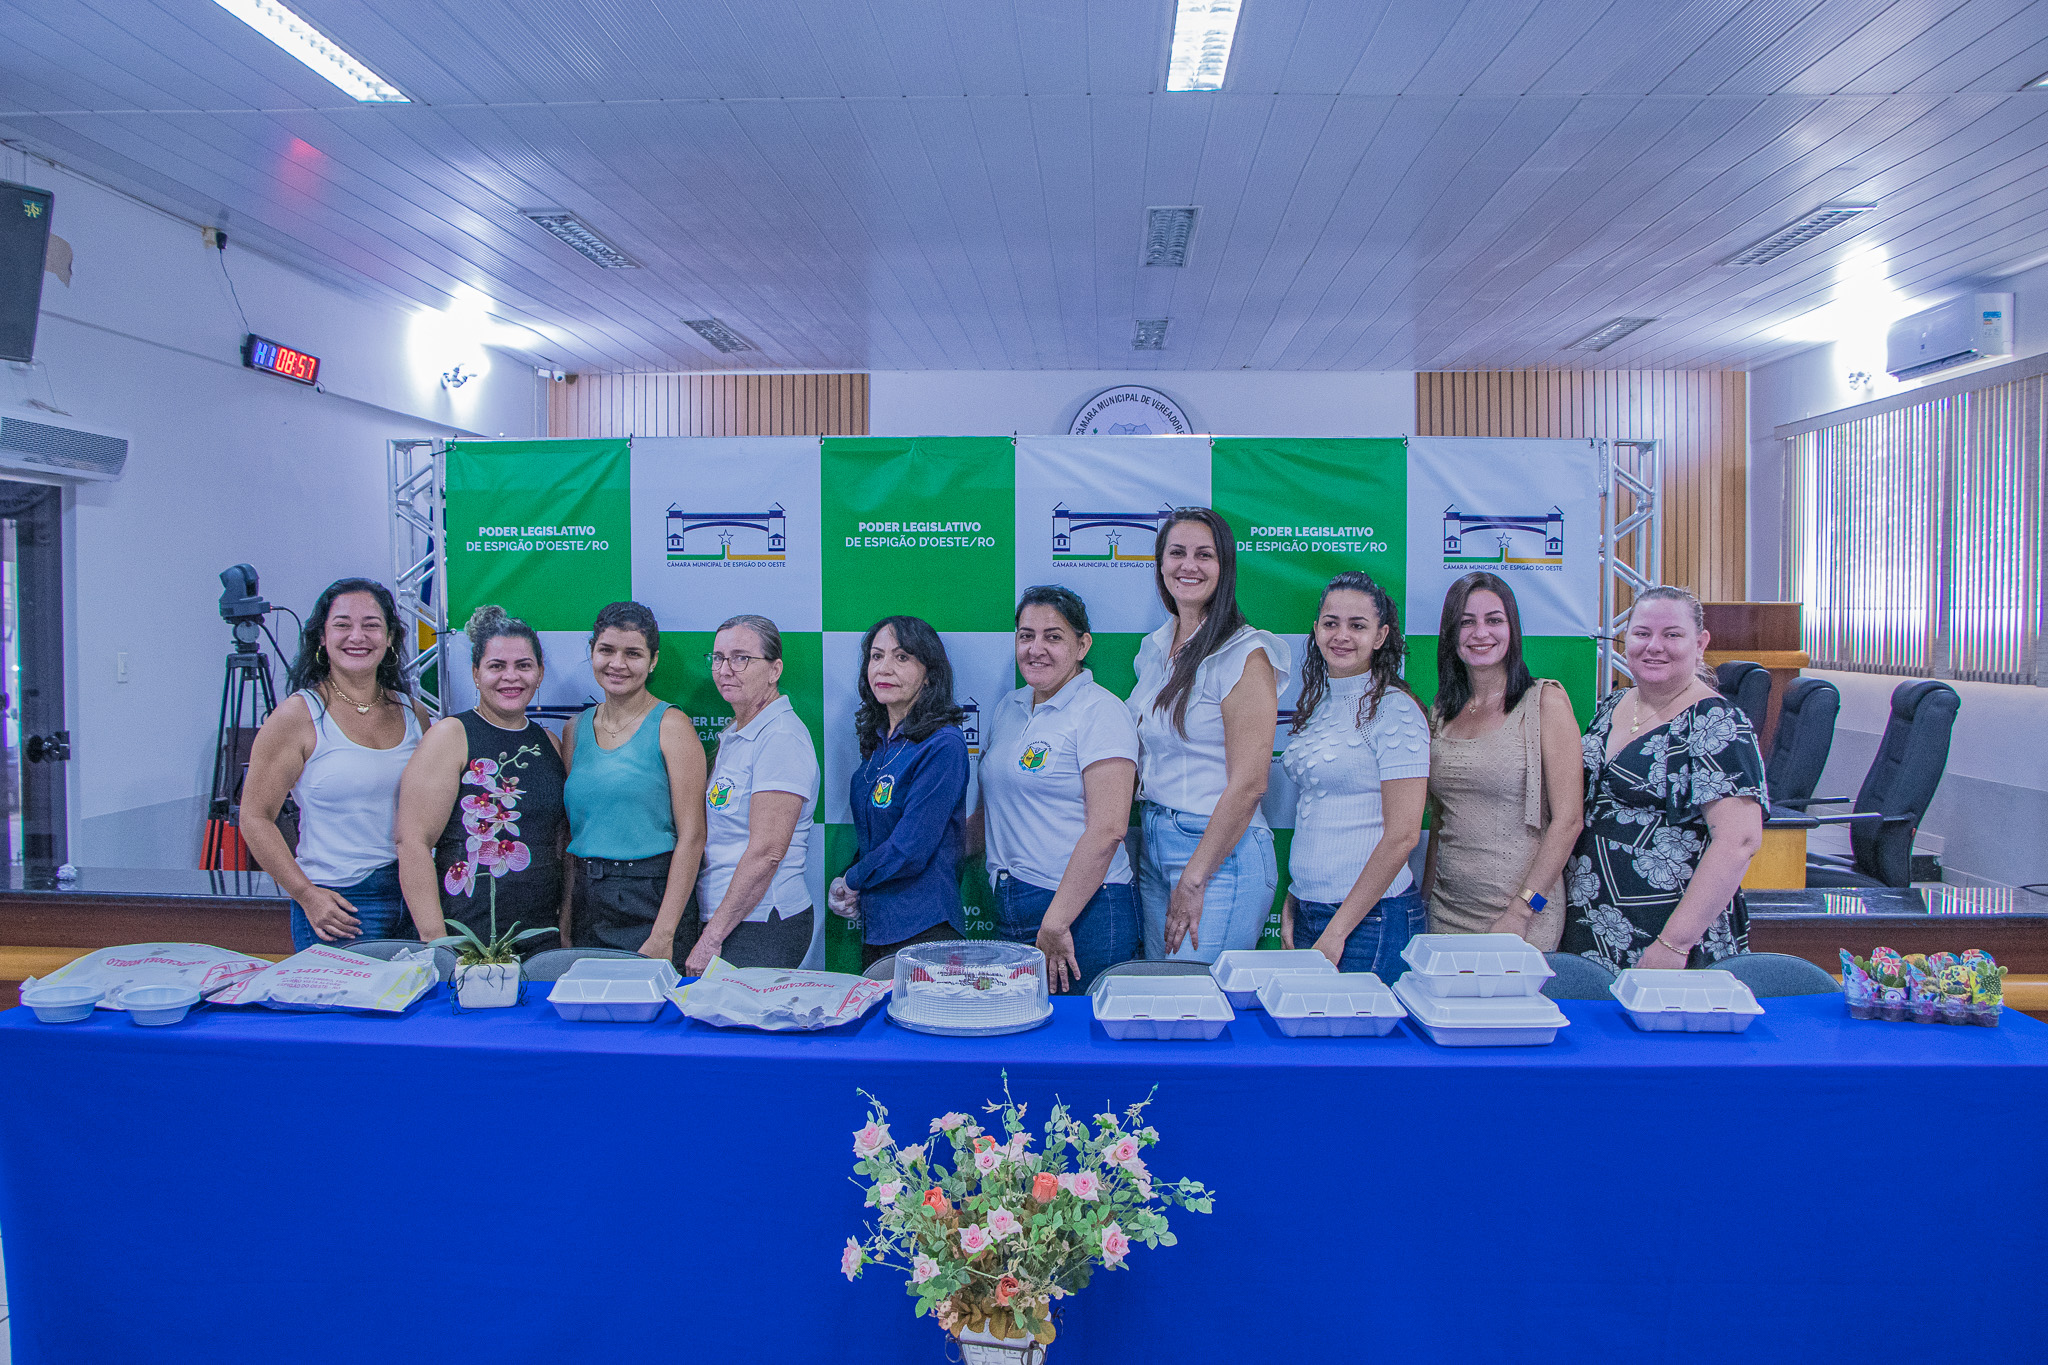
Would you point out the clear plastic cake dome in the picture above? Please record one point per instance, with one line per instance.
(970, 989)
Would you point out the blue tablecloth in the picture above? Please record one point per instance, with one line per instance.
(505, 1187)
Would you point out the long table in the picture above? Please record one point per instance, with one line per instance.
(504, 1187)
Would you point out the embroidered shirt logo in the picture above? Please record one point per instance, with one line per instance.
(719, 796)
(1033, 758)
(884, 792)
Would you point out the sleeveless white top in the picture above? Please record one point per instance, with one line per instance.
(348, 801)
(1187, 772)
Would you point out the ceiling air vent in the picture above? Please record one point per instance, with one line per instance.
(719, 335)
(1608, 333)
(580, 235)
(1167, 233)
(1795, 235)
(1149, 335)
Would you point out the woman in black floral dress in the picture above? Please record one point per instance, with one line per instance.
(1674, 806)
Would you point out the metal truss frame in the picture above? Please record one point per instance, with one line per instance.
(419, 558)
(1631, 544)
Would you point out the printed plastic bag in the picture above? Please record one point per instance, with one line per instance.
(323, 978)
(200, 966)
(776, 999)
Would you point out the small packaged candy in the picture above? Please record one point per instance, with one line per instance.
(1931, 988)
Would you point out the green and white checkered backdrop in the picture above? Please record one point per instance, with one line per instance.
(824, 535)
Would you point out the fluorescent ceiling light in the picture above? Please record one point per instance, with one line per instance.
(1608, 333)
(719, 335)
(1202, 30)
(1167, 234)
(1794, 235)
(1149, 334)
(319, 52)
(2039, 82)
(580, 235)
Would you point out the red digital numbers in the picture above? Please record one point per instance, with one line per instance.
(260, 353)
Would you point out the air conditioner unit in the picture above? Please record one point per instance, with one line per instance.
(44, 444)
(1973, 327)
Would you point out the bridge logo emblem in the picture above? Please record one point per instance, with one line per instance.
(1105, 539)
(726, 538)
(1475, 540)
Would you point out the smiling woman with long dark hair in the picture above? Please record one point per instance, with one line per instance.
(1205, 704)
(908, 794)
(339, 743)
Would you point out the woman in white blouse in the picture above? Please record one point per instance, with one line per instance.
(1359, 755)
(1205, 705)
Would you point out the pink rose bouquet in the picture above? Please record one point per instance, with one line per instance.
(1003, 1231)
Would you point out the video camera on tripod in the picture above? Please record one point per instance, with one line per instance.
(247, 698)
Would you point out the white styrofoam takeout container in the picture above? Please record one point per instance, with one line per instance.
(1481, 1021)
(60, 1002)
(659, 970)
(597, 1000)
(1160, 1007)
(1241, 971)
(1339, 1005)
(153, 1006)
(1484, 965)
(1681, 1001)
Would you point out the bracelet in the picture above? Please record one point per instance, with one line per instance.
(1682, 952)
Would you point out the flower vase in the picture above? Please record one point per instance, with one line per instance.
(986, 1348)
(487, 985)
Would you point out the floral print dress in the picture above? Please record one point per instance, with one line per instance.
(502, 845)
(1646, 827)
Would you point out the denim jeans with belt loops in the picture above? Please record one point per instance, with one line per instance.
(1235, 904)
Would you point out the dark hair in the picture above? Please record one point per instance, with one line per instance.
(1384, 667)
(490, 623)
(1219, 623)
(933, 709)
(311, 668)
(1065, 601)
(771, 636)
(629, 616)
(1453, 681)
(1665, 592)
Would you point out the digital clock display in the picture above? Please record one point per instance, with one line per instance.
(261, 353)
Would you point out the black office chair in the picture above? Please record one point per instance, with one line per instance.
(384, 949)
(1895, 794)
(1748, 685)
(1773, 974)
(549, 964)
(1577, 978)
(1806, 734)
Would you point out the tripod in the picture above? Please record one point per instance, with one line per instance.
(246, 699)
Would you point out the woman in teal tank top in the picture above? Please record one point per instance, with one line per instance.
(636, 819)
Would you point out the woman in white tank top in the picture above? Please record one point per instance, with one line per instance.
(339, 744)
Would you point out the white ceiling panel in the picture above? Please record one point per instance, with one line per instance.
(924, 184)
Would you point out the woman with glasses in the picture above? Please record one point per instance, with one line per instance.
(751, 895)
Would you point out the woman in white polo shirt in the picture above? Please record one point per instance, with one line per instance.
(751, 895)
(1205, 705)
(1059, 763)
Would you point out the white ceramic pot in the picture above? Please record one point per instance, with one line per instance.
(489, 985)
(982, 1348)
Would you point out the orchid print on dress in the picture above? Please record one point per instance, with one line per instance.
(490, 818)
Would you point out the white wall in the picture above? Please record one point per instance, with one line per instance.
(1989, 820)
(1219, 402)
(225, 465)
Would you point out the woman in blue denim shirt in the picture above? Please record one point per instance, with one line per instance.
(1359, 756)
(908, 795)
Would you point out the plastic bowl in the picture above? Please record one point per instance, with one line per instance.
(153, 1006)
(60, 1003)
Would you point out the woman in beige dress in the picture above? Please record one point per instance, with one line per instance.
(1506, 784)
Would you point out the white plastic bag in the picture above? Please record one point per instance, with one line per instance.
(198, 966)
(323, 978)
(776, 999)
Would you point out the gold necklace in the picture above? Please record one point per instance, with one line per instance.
(615, 730)
(1635, 710)
(361, 709)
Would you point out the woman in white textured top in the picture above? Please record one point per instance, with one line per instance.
(1205, 705)
(1359, 753)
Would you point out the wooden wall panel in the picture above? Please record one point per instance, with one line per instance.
(710, 405)
(1699, 417)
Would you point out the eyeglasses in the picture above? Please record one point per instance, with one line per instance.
(736, 662)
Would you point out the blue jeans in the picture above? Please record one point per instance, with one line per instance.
(379, 907)
(1105, 932)
(1235, 904)
(1375, 945)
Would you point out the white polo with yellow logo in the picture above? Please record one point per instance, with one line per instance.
(771, 753)
(1032, 759)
